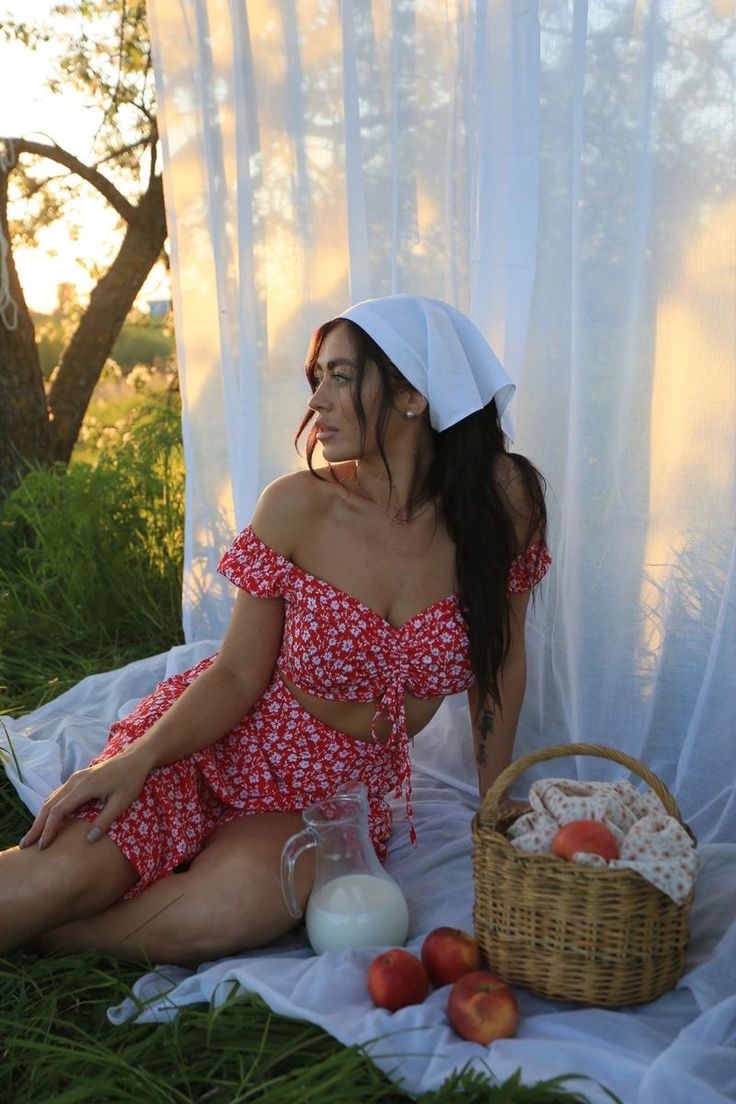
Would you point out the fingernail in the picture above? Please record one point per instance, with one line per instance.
(22, 842)
(94, 834)
(41, 845)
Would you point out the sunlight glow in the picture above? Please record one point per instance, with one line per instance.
(693, 409)
(29, 110)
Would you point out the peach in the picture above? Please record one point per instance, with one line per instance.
(396, 979)
(481, 1007)
(448, 953)
(589, 836)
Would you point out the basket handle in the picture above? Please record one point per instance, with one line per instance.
(489, 810)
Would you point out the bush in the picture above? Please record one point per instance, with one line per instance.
(143, 343)
(90, 562)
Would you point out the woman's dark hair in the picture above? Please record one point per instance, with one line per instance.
(463, 482)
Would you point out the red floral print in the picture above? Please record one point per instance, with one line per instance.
(279, 757)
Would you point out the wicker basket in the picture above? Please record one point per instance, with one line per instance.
(599, 936)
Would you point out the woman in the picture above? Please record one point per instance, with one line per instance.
(368, 589)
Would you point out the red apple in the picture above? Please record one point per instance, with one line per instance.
(589, 836)
(448, 953)
(397, 978)
(481, 1007)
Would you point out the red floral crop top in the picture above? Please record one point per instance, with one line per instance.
(335, 647)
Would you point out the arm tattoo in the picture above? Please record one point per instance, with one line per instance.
(485, 727)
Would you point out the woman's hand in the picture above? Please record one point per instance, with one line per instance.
(116, 782)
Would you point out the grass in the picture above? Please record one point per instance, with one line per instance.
(90, 578)
(58, 1047)
(90, 563)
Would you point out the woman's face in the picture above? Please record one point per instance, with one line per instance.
(336, 421)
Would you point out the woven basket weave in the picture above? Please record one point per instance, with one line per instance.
(599, 936)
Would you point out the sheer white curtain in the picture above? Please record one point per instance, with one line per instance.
(562, 170)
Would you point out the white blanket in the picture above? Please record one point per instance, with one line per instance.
(680, 1049)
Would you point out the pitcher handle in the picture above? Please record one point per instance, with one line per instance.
(293, 848)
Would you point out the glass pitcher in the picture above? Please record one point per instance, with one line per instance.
(354, 902)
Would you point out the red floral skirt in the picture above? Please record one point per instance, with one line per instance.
(278, 758)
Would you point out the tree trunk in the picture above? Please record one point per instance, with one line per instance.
(24, 426)
(84, 357)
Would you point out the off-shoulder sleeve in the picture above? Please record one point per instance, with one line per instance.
(529, 568)
(254, 567)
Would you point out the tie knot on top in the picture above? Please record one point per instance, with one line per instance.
(391, 706)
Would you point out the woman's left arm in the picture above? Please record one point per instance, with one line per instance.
(494, 726)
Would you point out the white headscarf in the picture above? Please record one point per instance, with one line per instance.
(441, 353)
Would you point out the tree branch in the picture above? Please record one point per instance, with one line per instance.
(62, 157)
(154, 145)
(133, 101)
(121, 48)
(123, 149)
(33, 187)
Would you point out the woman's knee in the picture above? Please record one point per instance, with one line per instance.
(69, 880)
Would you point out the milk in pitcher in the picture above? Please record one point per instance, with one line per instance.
(356, 910)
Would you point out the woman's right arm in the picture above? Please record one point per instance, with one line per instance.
(222, 695)
(210, 706)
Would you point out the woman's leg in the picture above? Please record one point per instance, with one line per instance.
(228, 900)
(70, 879)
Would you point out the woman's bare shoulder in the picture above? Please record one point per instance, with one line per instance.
(512, 487)
(288, 506)
(508, 478)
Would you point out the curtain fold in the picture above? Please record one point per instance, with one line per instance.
(563, 171)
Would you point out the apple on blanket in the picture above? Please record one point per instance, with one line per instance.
(481, 1007)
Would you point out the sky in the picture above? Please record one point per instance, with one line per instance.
(28, 109)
